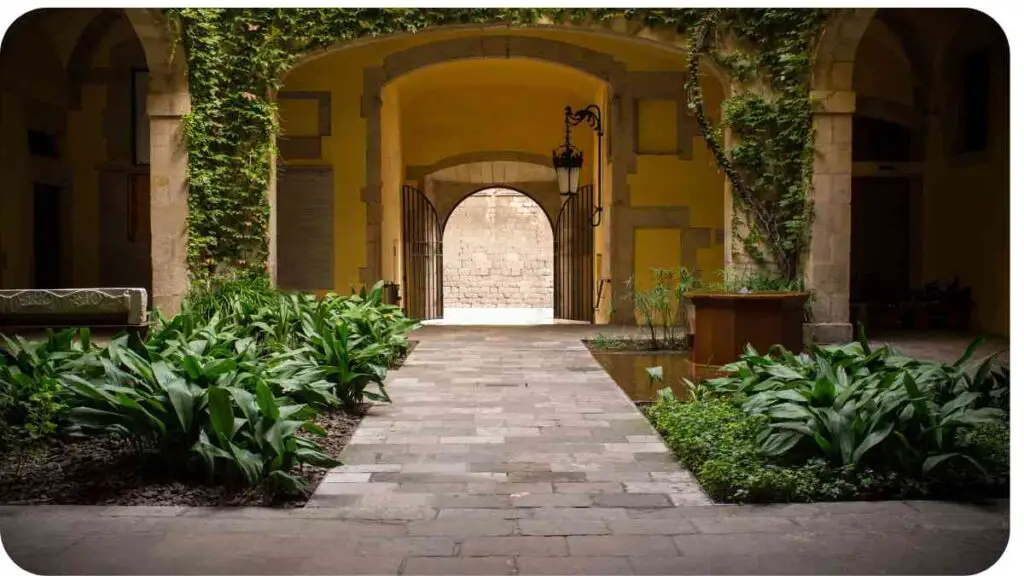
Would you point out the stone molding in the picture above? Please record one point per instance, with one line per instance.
(131, 302)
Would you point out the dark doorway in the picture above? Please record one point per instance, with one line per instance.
(46, 230)
(880, 241)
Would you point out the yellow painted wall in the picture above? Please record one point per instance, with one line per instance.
(463, 107)
(445, 123)
(392, 175)
(655, 248)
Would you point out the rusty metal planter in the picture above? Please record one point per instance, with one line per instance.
(726, 322)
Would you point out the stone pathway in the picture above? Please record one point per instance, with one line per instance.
(504, 419)
(508, 451)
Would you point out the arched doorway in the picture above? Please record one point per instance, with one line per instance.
(498, 260)
(76, 159)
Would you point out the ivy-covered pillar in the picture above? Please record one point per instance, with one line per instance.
(827, 269)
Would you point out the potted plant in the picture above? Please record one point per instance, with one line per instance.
(745, 307)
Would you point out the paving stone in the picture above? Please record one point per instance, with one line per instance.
(347, 477)
(561, 527)
(461, 527)
(478, 513)
(668, 526)
(741, 525)
(632, 500)
(546, 476)
(474, 501)
(406, 546)
(459, 566)
(509, 488)
(660, 488)
(515, 546)
(337, 488)
(472, 440)
(431, 487)
(508, 467)
(588, 487)
(648, 545)
(573, 566)
(551, 500)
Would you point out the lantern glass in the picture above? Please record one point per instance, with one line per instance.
(568, 179)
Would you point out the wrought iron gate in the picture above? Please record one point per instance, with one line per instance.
(574, 258)
(422, 265)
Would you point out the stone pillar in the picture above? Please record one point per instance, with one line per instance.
(272, 228)
(827, 269)
(168, 198)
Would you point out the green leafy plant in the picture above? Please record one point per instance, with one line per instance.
(849, 404)
(221, 390)
(657, 306)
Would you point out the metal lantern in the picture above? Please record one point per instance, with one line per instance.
(568, 159)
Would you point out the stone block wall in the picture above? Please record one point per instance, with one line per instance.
(498, 253)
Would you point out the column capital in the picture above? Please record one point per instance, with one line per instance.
(834, 101)
(169, 105)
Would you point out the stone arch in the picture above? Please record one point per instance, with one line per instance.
(499, 253)
(598, 65)
(665, 38)
(451, 180)
(528, 189)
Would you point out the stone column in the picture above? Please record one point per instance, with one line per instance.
(827, 269)
(168, 198)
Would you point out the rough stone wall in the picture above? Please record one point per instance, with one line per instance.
(498, 253)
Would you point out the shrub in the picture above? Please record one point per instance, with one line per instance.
(31, 402)
(221, 389)
(849, 403)
(721, 445)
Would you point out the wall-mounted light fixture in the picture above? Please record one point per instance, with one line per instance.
(568, 159)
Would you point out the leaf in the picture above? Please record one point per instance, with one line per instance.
(969, 352)
(870, 441)
(183, 403)
(279, 432)
(655, 373)
(780, 443)
(788, 412)
(287, 483)
(933, 461)
(222, 417)
(248, 463)
(784, 373)
(265, 400)
(215, 368)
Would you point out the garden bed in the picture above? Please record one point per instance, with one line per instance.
(844, 423)
(246, 397)
(106, 471)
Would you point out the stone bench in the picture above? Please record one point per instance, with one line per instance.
(109, 308)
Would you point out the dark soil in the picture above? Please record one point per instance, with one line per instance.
(108, 471)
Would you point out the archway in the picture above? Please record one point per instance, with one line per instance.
(914, 116)
(498, 260)
(76, 159)
(420, 100)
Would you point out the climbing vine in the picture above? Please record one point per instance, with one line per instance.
(237, 59)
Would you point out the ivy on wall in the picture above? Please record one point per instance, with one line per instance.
(237, 59)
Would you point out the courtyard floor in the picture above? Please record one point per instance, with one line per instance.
(508, 450)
